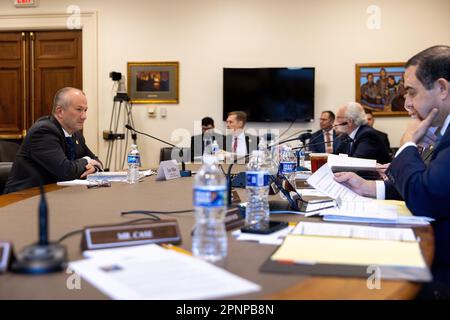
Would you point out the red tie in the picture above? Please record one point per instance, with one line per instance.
(235, 144)
(329, 146)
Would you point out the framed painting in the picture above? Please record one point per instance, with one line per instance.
(153, 82)
(380, 88)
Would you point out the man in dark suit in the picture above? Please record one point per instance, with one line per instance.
(326, 139)
(201, 141)
(383, 135)
(54, 147)
(238, 142)
(362, 141)
(424, 188)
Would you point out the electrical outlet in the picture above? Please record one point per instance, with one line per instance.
(152, 112)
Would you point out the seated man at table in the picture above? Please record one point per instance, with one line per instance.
(54, 148)
(362, 140)
(202, 141)
(424, 188)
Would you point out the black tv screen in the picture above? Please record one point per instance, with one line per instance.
(269, 94)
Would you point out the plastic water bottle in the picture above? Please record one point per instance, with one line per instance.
(301, 155)
(209, 241)
(134, 161)
(257, 210)
(207, 144)
(288, 162)
(214, 148)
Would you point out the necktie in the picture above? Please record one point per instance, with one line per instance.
(328, 145)
(438, 137)
(70, 148)
(235, 143)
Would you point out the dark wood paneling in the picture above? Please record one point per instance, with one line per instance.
(13, 77)
(57, 64)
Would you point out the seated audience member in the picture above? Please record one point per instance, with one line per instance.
(238, 142)
(424, 187)
(325, 139)
(362, 140)
(202, 141)
(371, 122)
(54, 147)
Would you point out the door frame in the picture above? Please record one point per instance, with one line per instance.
(58, 21)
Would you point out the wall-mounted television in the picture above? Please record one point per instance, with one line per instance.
(269, 94)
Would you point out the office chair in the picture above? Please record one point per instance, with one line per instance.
(167, 152)
(5, 168)
(8, 151)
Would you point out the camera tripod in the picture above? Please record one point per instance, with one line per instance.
(121, 101)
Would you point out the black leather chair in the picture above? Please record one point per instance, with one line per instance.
(5, 168)
(8, 151)
(166, 154)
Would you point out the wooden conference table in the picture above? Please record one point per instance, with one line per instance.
(73, 208)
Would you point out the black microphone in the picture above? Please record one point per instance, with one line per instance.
(183, 171)
(304, 136)
(340, 124)
(292, 139)
(44, 256)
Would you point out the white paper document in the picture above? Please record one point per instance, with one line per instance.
(323, 180)
(353, 231)
(338, 161)
(152, 272)
(76, 182)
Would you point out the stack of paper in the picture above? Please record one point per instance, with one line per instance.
(335, 161)
(152, 272)
(355, 208)
(353, 231)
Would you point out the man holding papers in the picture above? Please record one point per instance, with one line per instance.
(425, 189)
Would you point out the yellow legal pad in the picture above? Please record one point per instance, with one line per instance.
(349, 251)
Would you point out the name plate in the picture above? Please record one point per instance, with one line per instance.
(235, 197)
(101, 237)
(168, 170)
(234, 219)
(5, 256)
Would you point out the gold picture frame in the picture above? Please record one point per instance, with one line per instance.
(384, 95)
(153, 82)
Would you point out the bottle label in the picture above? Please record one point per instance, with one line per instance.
(257, 178)
(133, 159)
(287, 167)
(210, 196)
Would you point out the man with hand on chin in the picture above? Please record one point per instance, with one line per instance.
(424, 188)
(54, 146)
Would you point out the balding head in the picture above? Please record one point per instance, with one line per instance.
(63, 97)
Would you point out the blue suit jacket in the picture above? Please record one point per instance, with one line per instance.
(426, 191)
(317, 142)
(367, 144)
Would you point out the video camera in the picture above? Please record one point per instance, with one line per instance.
(115, 76)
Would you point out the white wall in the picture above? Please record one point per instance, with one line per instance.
(207, 35)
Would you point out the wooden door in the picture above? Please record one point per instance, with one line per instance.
(13, 84)
(33, 66)
(57, 64)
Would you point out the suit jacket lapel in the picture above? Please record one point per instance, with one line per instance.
(445, 140)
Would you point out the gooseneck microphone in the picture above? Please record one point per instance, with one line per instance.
(183, 171)
(44, 256)
(300, 137)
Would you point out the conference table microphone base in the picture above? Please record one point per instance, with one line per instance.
(185, 173)
(41, 259)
